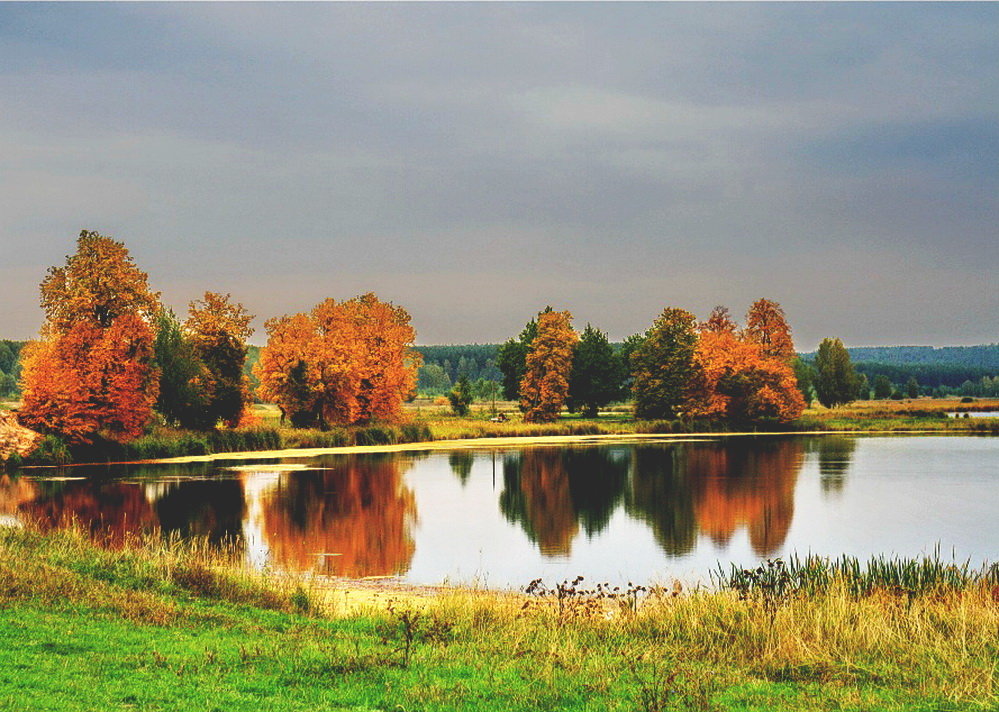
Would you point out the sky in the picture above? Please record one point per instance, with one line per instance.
(474, 163)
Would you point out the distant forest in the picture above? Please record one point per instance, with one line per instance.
(963, 370)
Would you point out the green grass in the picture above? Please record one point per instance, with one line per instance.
(155, 625)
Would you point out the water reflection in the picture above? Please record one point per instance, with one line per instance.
(550, 492)
(352, 519)
(835, 454)
(357, 515)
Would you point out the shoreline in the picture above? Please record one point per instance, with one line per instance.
(497, 443)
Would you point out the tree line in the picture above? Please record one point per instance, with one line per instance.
(714, 370)
(111, 360)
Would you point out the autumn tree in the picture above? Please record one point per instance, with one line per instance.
(744, 377)
(92, 373)
(219, 328)
(545, 385)
(767, 326)
(663, 364)
(836, 380)
(597, 373)
(344, 362)
(512, 359)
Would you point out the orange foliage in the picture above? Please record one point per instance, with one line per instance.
(93, 371)
(545, 385)
(344, 362)
(744, 379)
(99, 283)
(91, 380)
(767, 326)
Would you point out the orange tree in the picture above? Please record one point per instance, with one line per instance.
(92, 373)
(767, 326)
(218, 329)
(747, 376)
(545, 385)
(343, 362)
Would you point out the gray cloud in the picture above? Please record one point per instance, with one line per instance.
(476, 162)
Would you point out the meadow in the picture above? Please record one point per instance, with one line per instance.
(165, 625)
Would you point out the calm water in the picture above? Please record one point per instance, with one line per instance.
(640, 512)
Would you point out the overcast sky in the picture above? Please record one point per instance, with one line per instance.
(477, 162)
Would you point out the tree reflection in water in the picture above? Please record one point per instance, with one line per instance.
(680, 491)
(351, 519)
(111, 511)
(550, 492)
(660, 495)
(835, 454)
(746, 482)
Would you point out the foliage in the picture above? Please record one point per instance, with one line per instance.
(344, 362)
(912, 387)
(805, 374)
(512, 359)
(662, 365)
(184, 380)
(735, 380)
(218, 329)
(477, 361)
(93, 373)
(836, 382)
(461, 396)
(863, 387)
(597, 373)
(767, 326)
(882, 387)
(545, 385)
(91, 381)
(99, 283)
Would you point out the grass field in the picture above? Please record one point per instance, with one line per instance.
(161, 626)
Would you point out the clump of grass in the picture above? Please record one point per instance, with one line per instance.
(776, 580)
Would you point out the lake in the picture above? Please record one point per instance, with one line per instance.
(644, 512)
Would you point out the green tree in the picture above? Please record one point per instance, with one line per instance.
(882, 387)
(7, 358)
(597, 373)
(512, 359)
(863, 388)
(433, 379)
(461, 396)
(8, 385)
(662, 365)
(912, 387)
(184, 380)
(836, 383)
(805, 374)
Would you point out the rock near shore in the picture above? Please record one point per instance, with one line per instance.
(14, 437)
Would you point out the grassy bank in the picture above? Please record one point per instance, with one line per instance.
(157, 626)
(427, 422)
